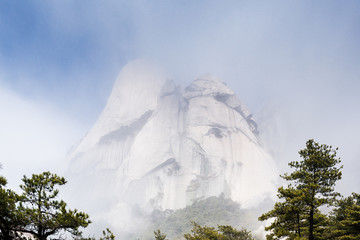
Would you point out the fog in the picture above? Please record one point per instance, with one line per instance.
(296, 65)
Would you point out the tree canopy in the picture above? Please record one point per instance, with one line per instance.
(222, 233)
(345, 218)
(312, 185)
(42, 214)
(37, 211)
(159, 235)
(9, 217)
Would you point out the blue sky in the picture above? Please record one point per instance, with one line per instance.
(296, 64)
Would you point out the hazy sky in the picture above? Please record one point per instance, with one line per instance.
(296, 64)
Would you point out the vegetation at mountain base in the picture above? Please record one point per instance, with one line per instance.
(199, 232)
(222, 233)
(212, 211)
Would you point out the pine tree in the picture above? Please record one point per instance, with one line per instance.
(289, 215)
(346, 218)
(159, 235)
(42, 215)
(9, 217)
(230, 233)
(313, 179)
(107, 235)
(202, 233)
(222, 233)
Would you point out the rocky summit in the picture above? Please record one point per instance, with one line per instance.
(159, 146)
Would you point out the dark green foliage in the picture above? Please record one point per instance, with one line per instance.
(9, 217)
(212, 211)
(37, 212)
(159, 235)
(231, 233)
(313, 181)
(223, 233)
(289, 215)
(345, 218)
(316, 176)
(42, 215)
(106, 235)
(202, 233)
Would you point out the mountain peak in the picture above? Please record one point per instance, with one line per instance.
(158, 147)
(207, 85)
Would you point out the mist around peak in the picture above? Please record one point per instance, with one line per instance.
(160, 147)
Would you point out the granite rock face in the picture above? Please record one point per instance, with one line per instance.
(159, 146)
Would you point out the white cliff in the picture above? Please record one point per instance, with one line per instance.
(162, 147)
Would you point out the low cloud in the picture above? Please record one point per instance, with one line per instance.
(34, 137)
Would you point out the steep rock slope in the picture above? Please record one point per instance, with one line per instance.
(158, 146)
